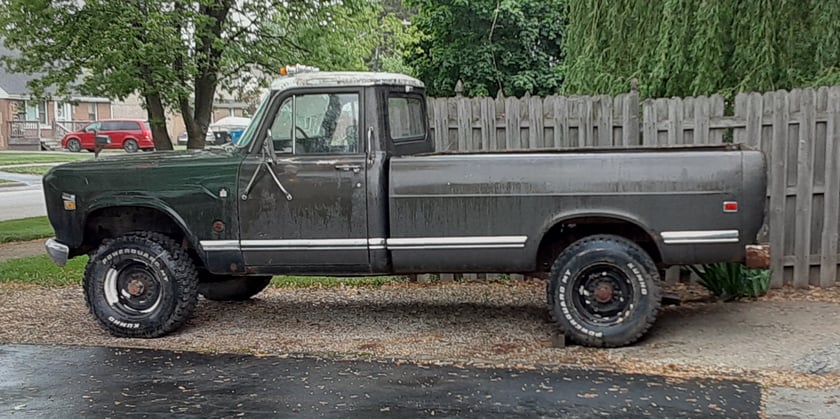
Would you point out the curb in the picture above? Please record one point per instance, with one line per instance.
(11, 184)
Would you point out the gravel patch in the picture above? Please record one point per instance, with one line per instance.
(471, 323)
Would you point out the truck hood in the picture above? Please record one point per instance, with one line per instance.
(135, 161)
(145, 172)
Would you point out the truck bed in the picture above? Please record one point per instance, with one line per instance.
(495, 213)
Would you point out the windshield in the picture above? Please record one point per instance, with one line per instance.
(251, 131)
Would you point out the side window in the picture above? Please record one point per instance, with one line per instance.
(94, 126)
(317, 124)
(111, 126)
(129, 126)
(405, 118)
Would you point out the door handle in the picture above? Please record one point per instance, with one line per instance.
(348, 167)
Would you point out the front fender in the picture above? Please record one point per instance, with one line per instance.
(142, 201)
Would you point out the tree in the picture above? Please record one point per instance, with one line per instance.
(491, 45)
(685, 47)
(176, 53)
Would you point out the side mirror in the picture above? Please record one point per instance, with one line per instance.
(100, 142)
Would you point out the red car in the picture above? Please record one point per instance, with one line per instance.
(128, 134)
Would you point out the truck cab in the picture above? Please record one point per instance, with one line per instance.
(313, 184)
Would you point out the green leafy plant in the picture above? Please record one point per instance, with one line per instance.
(732, 281)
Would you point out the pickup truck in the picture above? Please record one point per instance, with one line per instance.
(337, 175)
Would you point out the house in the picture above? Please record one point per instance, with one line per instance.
(26, 122)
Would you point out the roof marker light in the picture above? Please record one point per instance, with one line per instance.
(291, 70)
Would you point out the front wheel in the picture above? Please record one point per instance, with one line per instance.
(141, 285)
(604, 291)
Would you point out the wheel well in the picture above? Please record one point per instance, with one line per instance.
(567, 232)
(106, 223)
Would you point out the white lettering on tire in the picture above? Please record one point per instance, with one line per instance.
(123, 324)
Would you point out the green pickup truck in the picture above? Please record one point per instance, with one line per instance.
(337, 175)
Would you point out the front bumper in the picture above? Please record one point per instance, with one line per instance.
(58, 252)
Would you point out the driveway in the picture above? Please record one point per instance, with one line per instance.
(70, 381)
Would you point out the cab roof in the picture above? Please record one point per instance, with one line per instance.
(343, 78)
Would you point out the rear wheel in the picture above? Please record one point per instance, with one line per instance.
(231, 288)
(604, 291)
(74, 145)
(141, 285)
(130, 146)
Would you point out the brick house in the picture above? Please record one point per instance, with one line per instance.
(26, 122)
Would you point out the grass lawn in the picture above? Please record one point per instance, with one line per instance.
(2, 181)
(27, 158)
(40, 270)
(28, 170)
(25, 229)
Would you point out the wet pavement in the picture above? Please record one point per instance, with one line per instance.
(72, 381)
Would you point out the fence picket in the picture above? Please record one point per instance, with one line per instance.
(536, 123)
(630, 120)
(605, 121)
(778, 186)
(675, 117)
(512, 124)
(716, 135)
(804, 189)
(702, 109)
(649, 122)
(831, 223)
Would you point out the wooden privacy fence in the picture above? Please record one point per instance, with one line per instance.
(799, 131)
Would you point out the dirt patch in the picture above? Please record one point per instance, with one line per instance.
(16, 250)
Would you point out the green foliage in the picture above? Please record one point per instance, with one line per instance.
(491, 45)
(686, 48)
(732, 281)
(175, 54)
(40, 270)
(25, 229)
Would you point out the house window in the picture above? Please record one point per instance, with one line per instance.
(42, 113)
(93, 115)
(36, 111)
(63, 111)
(20, 110)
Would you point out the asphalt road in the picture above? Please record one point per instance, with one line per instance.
(68, 381)
(21, 201)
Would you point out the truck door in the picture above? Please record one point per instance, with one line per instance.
(307, 211)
